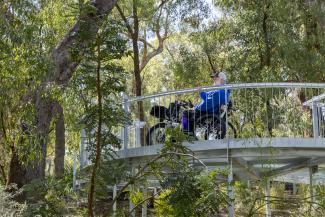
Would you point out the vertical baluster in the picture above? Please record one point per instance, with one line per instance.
(74, 171)
(126, 125)
(315, 120)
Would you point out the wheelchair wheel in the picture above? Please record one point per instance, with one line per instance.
(156, 134)
(210, 128)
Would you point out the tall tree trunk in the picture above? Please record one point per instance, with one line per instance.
(136, 67)
(99, 137)
(267, 52)
(20, 174)
(59, 142)
(16, 170)
(65, 64)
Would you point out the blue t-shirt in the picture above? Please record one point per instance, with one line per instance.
(213, 100)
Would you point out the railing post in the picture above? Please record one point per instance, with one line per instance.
(74, 173)
(138, 125)
(126, 125)
(315, 120)
(137, 132)
(83, 154)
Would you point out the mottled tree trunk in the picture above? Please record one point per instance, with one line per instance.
(266, 58)
(59, 143)
(19, 173)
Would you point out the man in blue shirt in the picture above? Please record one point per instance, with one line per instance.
(211, 103)
(213, 100)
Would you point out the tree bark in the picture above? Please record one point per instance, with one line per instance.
(136, 66)
(267, 52)
(65, 61)
(59, 142)
(17, 171)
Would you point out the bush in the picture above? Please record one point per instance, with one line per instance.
(8, 206)
(51, 197)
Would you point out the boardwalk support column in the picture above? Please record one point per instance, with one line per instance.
(131, 205)
(267, 197)
(312, 170)
(132, 187)
(114, 196)
(145, 204)
(231, 209)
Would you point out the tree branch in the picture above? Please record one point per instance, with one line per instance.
(64, 59)
(128, 26)
(144, 41)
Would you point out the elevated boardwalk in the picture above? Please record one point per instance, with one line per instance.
(274, 131)
(251, 157)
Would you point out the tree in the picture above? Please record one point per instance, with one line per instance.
(147, 21)
(101, 79)
(64, 59)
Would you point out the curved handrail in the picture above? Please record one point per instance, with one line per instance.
(231, 87)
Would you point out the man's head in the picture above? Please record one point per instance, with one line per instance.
(219, 78)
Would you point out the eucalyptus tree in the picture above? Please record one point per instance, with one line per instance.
(276, 40)
(148, 24)
(22, 64)
(50, 65)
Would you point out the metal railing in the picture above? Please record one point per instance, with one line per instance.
(294, 110)
(257, 110)
(263, 110)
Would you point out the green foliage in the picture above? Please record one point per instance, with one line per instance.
(29, 31)
(51, 197)
(187, 190)
(8, 206)
(189, 193)
(103, 53)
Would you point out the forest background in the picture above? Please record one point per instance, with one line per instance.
(64, 64)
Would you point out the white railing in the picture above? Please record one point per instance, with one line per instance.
(266, 110)
(259, 110)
